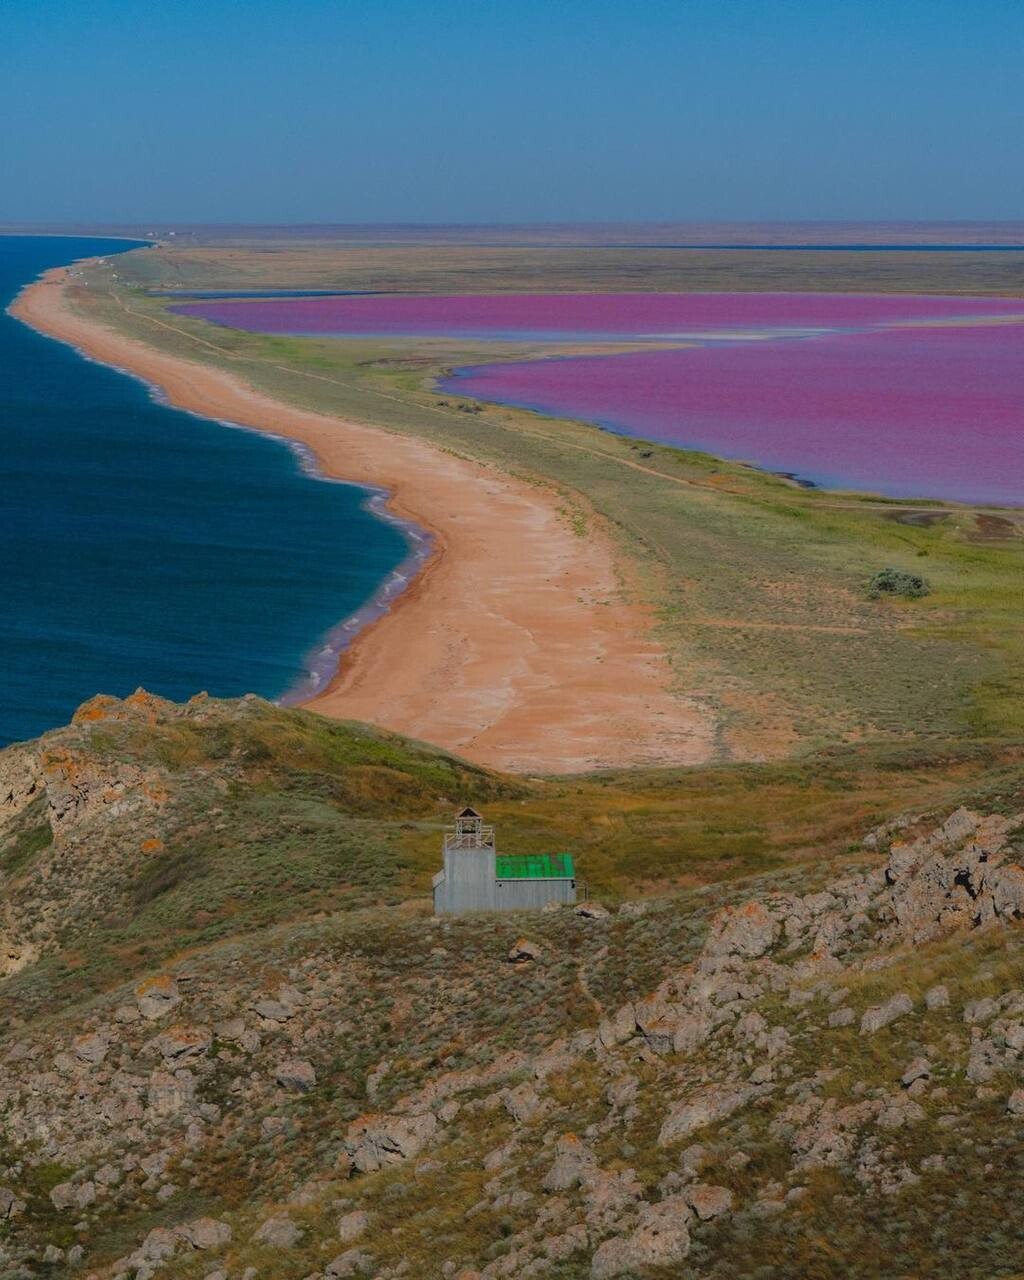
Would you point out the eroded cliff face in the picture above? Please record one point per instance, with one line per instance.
(20, 780)
(146, 822)
(78, 820)
(387, 1094)
(84, 785)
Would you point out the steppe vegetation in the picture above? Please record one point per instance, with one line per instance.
(236, 1043)
(758, 584)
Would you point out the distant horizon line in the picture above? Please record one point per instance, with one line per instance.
(522, 222)
(526, 222)
(816, 235)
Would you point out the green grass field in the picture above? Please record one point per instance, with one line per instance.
(543, 264)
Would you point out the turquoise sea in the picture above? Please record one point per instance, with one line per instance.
(140, 545)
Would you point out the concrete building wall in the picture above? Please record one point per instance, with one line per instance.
(528, 895)
(468, 883)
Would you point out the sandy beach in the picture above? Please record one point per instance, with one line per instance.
(513, 646)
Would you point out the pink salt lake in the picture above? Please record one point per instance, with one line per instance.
(906, 396)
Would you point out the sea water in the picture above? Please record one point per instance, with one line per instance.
(142, 545)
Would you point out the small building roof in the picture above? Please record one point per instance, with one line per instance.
(534, 866)
(468, 812)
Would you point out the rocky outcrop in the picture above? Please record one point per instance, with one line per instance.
(660, 1239)
(374, 1142)
(703, 1108)
(79, 788)
(958, 876)
(748, 931)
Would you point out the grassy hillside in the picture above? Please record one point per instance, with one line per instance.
(226, 1004)
(244, 816)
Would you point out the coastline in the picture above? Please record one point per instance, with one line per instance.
(512, 645)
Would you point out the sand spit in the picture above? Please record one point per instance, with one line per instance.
(513, 646)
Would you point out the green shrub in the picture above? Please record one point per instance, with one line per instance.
(896, 582)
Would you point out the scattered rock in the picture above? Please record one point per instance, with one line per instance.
(749, 930)
(157, 996)
(978, 1011)
(573, 1160)
(351, 1225)
(919, 1069)
(168, 1094)
(622, 1091)
(273, 1010)
(660, 1240)
(706, 1201)
(205, 1233)
(618, 1028)
(353, 1262)
(374, 1142)
(523, 1103)
(69, 1195)
(279, 1232)
(91, 1047)
(523, 951)
(591, 911)
(635, 909)
(881, 1015)
(178, 1044)
(273, 1126)
(937, 997)
(296, 1075)
(10, 1205)
(706, 1106)
(563, 1246)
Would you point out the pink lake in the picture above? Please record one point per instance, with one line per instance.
(936, 413)
(905, 396)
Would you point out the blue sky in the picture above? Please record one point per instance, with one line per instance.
(387, 110)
